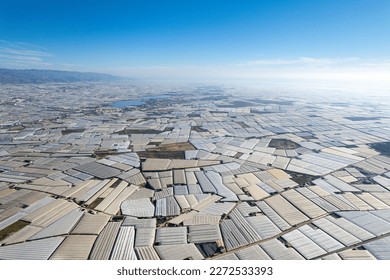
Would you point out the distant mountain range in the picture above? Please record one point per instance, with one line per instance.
(35, 76)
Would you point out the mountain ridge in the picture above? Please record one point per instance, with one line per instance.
(42, 76)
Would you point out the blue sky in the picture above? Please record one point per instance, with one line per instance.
(201, 40)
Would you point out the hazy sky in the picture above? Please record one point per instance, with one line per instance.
(340, 40)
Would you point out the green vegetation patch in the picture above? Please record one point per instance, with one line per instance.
(169, 151)
(382, 147)
(284, 144)
(302, 179)
(236, 104)
(198, 129)
(183, 146)
(15, 227)
(72, 130)
(95, 203)
(357, 119)
(162, 154)
(272, 102)
(128, 131)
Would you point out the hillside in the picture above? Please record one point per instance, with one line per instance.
(34, 76)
